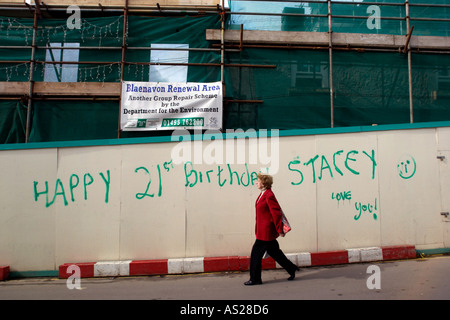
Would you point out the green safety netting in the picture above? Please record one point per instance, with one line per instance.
(65, 120)
(13, 115)
(104, 32)
(369, 88)
(295, 94)
(431, 87)
(70, 120)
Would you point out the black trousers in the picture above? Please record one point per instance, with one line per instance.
(273, 249)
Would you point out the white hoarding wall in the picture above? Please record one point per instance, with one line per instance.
(196, 198)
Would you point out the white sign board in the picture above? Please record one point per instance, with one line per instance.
(170, 105)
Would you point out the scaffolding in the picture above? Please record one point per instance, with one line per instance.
(223, 41)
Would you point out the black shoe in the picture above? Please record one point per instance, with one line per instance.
(292, 277)
(252, 283)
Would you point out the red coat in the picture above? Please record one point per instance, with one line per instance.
(268, 217)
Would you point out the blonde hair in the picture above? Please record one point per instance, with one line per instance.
(266, 180)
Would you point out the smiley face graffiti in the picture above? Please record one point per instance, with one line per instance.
(406, 166)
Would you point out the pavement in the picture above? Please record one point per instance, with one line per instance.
(412, 279)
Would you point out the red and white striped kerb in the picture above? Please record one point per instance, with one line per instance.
(233, 263)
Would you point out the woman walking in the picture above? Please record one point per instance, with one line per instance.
(267, 229)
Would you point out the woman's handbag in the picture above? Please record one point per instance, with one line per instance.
(286, 225)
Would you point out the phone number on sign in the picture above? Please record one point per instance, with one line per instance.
(181, 122)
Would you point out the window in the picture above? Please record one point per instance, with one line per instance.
(169, 73)
(311, 75)
(444, 79)
(57, 52)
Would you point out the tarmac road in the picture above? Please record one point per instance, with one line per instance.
(416, 279)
